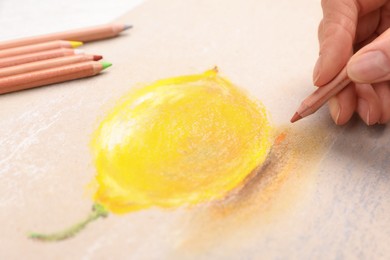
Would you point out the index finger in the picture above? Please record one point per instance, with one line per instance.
(337, 33)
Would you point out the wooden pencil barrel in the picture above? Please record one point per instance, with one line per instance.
(37, 56)
(44, 64)
(49, 76)
(34, 48)
(83, 35)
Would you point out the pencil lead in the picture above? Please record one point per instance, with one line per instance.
(75, 44)
(127, 26)
(295, 118)
(97, 57)
(78, 51)
(105, 64)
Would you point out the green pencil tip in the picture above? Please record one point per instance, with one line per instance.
(106, 64)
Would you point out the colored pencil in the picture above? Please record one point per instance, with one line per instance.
(47, 64)
(37, 56)
(38, 47)
(83, 35)
(319, 97)
(51, 76)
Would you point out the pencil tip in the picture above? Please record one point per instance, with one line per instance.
(75, 44)
(97, 57)
(295, 118)
(78, 51)
(105, 64)
(127, 26)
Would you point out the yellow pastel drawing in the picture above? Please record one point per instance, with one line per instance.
(179, 141)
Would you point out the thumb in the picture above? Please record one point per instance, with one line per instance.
(371, 64)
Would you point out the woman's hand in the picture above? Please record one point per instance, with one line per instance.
(355, 32)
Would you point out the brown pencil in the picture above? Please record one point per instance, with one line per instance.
(46, 64)
(37, 56)
(50, 76)
(38, 47)
(83, 35)
(319, 97)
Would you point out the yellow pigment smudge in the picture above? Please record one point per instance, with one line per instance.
(179, 141)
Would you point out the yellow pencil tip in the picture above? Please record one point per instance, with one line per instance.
(75, 44)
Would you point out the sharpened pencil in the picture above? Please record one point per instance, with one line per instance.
(319, 97)
(38, 47)
(37, 56)
(47, 64)
(83, 35)
(50, 76)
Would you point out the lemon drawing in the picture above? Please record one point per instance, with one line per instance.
(179, 141)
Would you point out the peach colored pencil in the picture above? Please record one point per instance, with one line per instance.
(37, 56)
(38, 47)
(317, 99)
(50, 76)
(83, 35)
(46, 64)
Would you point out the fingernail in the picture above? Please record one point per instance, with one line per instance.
(334, 109)
(316, 71)
(368, 67)
(363, 110)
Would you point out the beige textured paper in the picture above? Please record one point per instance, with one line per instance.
(338, 209)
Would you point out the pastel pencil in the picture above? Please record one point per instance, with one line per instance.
(51, 76)
(38, 47)
(37, 56)
(83, 35)
(47, 64)
(317, 99)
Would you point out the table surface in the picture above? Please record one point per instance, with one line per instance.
(20, 18)
(323, 195)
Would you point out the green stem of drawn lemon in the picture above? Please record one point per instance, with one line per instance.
(98, 211)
